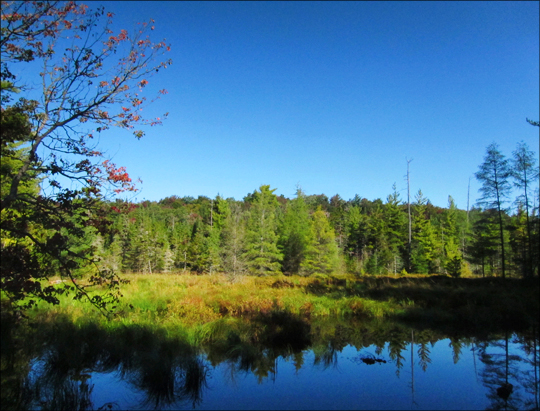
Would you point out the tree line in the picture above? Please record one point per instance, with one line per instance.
(308, 234)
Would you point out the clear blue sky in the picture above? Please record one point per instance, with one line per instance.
(333, 96)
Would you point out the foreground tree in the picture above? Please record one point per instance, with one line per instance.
(494, 174)
(92, 80)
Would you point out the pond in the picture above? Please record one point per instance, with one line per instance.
(285, 364)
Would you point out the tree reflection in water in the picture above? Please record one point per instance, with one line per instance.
(512, 379)
(167, 371)
(51, 367)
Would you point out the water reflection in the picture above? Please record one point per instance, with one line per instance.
(512, 378)
(166, 371)
(58, 367)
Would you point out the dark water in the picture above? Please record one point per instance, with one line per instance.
(282, 365)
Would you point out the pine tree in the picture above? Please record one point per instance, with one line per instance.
(322, 251)
(453, 256)
(424, 242)
(395, 228)
(294, 234)
(197, 251)
(262, 254)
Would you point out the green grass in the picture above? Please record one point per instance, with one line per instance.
(193, 303)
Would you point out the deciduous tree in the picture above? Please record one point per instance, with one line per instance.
(92, 78)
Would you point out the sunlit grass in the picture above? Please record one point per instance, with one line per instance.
(201, 304)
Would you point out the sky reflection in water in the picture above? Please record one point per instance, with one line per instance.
(449, 374)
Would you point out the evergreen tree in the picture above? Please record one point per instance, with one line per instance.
(395, 228)
(337, 210)
(197, 251)
(494, 175)
(322, 251)
(424, 242)
(356, 237)
(294, 234)
(262, 254)
(213, 239)
(484, 245)
(380, 256)
(453, 256)
(233, 242)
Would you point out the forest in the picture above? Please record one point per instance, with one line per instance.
(267, 234)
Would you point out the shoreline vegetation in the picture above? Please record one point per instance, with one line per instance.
(198, 306)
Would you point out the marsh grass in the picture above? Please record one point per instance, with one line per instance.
(206, 305)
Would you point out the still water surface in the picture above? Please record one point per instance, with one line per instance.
(401, 368)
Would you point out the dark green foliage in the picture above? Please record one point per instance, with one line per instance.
(483, 249)
(453, 266)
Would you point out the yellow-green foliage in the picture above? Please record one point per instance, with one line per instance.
(205, 305)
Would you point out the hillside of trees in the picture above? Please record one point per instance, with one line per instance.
(309, 234)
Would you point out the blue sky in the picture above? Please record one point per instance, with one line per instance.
(333, 96)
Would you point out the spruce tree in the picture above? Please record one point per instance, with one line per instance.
(424, 242)
(395, 227)
(322, 251)
(484, 245)
(294, 234)
(262, 254)
(453, 256)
